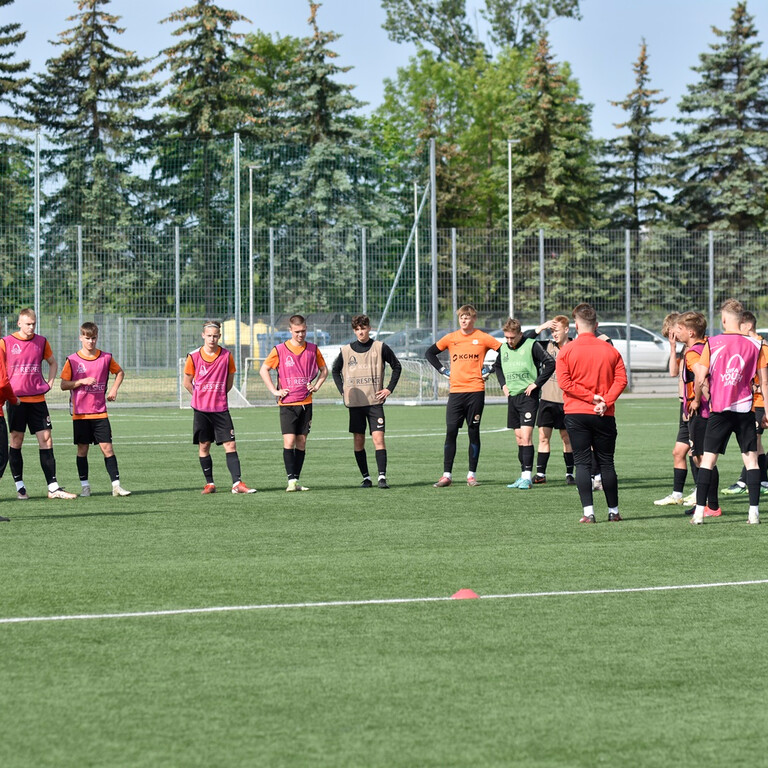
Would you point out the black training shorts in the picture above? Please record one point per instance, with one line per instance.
(209, 427)
(295, 419)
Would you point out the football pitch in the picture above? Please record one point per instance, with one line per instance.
(172, 629)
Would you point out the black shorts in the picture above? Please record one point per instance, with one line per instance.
(295, 419)
(3, 443)
(34, 416)
(521, 410)
(464, 406)
(683, 430)
(91, 431)
(551, 415)
(720, 426)
(697, 429)
(372, 415)
(759, 414)
(212, 427)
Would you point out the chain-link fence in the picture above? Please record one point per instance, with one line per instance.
(151, 295)
(151, 242)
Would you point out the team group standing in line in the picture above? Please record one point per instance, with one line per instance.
(566, 384)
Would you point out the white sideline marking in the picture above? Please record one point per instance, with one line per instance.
(383, 601)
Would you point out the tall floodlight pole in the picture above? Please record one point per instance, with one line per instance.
(433, 229)
(510, 270)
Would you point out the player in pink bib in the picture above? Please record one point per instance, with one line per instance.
(731, 361)
(209, 374)
(24, 352)
(301, 371)
(85, 376)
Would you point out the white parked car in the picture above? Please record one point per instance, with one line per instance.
(649, 350)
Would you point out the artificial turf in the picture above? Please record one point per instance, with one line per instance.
(672, 677)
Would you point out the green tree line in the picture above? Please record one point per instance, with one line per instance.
(134, 146)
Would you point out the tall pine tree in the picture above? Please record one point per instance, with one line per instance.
(636, 162)
(554, 171)
(335, 184)
(89, 103)
(722, 164)
(554, 178)
(205, 102)
(16, 181)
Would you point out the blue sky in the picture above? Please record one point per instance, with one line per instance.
(601, 47)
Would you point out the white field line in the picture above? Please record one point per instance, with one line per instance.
(383, 601)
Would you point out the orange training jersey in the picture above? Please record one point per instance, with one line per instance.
(467, 352)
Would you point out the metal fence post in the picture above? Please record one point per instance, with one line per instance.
(36, 247)
(271, 287)
(238, 282)
(364, 271)
(628, 304)
(416, 253)
(711, 290)
(454, 280)
(542, 309)
(177, 299)
(433, 243)
(79, 274)
(510, 261)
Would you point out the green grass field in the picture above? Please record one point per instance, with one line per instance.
(646, 678)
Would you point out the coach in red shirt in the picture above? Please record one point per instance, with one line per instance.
(592, 376)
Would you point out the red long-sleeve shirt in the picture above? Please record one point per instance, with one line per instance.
(586, 367)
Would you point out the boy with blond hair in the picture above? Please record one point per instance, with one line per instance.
(24, 352)
(466, 398)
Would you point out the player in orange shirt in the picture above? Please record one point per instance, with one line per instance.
(466, 398)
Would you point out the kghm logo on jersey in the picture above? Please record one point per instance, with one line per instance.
(203, 370)
(290, 362)
(465, 356)
(15, 349)
(80, 368)
(352, 361)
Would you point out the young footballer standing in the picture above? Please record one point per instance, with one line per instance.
(358, 373)
(24, 352)
(466, 397)
(209, 374)
(521, 368)
(301, 371)
(691, 330)
(731, 361)
(748, 326)
(592, 376)
(84, 376)
(551, 415)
